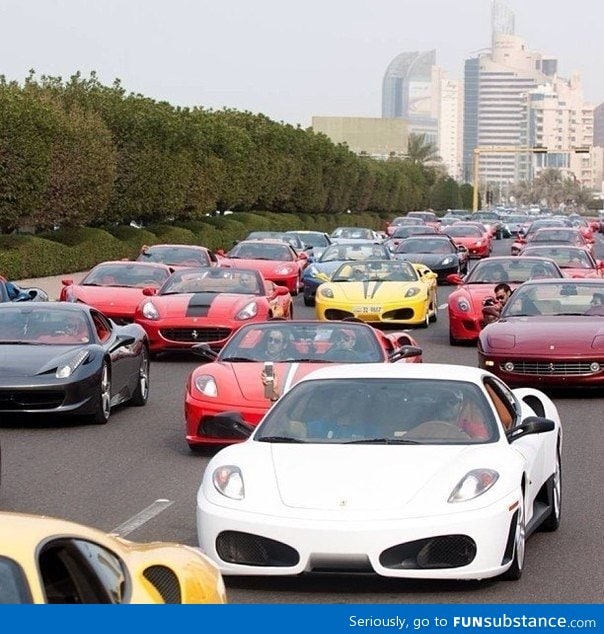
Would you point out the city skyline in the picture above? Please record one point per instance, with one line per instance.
(288, 61)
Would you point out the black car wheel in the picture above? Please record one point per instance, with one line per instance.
(141, 394)
(101, 416)
(552, 521)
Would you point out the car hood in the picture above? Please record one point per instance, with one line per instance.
(247, 377)
(343, 477)
(431, 260)
(542, 335)
(108, 298)
(199, 305)
(375, 291)
(28, 360)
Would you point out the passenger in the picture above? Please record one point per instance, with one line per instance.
(344, 346)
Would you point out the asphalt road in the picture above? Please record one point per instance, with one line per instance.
(105, 476)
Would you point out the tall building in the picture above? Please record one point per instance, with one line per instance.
(450, 126)
(599, 125)
(408, 92)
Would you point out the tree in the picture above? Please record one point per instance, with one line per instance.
(421, 151)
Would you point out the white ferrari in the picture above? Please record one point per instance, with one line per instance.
(405, 470)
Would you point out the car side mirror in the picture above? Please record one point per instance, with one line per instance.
(405, 352)
(531, 425)
(228, 425)
(149, 291)
(67, 282)
(454, 278)
(281, 290)
(203, 350)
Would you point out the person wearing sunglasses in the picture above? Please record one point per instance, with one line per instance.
(276, 346)
(492, 306)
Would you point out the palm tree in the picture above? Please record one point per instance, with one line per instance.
(421, 151)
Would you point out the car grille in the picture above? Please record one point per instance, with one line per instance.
(445, 551)
(195, 335)
(253, 550)
(24, 400)
(555, 368)
(165, 582)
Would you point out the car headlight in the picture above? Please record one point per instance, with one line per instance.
(248, 311)
(473, 484)
(285, 270)
(67, 369)
(326, 292)
(150, 311)
(206, 384)
(463, 304)
(478, 243)
(447, 260)
(411, 292)
(311, 271)
(228, 481)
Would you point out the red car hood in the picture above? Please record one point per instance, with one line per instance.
(247, 376)
(110, 299)
(268, 268)
(200, 305)
(542, 335)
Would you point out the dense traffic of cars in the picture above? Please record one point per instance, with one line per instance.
(294, 407)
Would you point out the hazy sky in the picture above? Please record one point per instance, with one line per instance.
(285, 58)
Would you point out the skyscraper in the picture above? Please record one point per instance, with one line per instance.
(408, 93)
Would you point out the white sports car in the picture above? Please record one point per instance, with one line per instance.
(405, 470)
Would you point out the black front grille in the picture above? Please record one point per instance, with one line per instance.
(553, 368)
(399, 314)
(195, 335)
(165, 582)
(335, 313)
(444, 551)
(24, 400)
(253, 550)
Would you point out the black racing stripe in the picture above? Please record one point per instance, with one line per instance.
(376, 288)
(199, 304)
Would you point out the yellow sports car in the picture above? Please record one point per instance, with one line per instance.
(46, 560)
(386, 291)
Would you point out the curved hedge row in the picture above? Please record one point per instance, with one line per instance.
(71, 250)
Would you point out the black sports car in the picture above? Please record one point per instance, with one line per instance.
(60, 358)
(11, 292)
(438, 252)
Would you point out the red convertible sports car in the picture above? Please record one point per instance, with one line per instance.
(206, 305)
(551, 332)
(466, 303)
(115, 288)
(232, 381)
(278, 261)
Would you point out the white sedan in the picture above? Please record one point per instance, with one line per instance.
(405, 470)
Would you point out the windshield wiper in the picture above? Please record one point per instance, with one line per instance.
(20, 342)
(382, 441)
(238, 359)
(283, 439)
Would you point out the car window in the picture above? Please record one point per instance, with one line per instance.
(101, 325)
(13, 583)
(76, 571)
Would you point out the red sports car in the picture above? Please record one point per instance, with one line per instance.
(557, 235)
(466, 303)
(574, 261)
(278, 261)
(478, 241)
(115, 288)
(551, 332)
(178, 256)
(232, 381)
(206, 305)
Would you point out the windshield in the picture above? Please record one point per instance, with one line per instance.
(327, 342)
(344, 252)
(129, 275)
(185, 256)
(421, 245)
(386, 411)
(558, 299)
(512, 269)
(213, 280)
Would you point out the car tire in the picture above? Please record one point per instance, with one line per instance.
(103, 405)
(514, 572)
(309, 301)
(552, 521)
(141, 393)
(453, 341)
(434, 316)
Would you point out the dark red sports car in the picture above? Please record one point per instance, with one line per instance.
(115, 288)
(232, 381)
(551, 332)
(206, 305)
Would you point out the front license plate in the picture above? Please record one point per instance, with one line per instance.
(366, 310)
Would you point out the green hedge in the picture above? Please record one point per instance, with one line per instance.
(72, 250)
